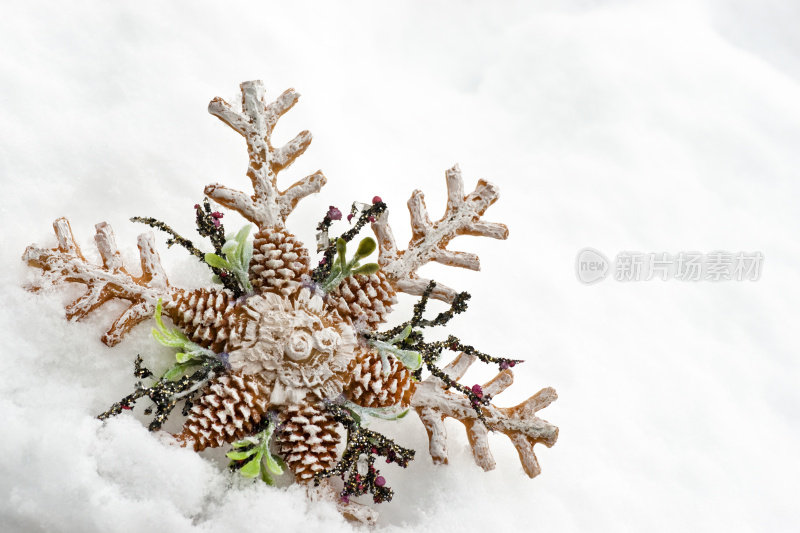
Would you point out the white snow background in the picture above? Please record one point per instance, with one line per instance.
(650, 126)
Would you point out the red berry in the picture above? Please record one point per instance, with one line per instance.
(376, 199)
(334, 213)
(477, 390)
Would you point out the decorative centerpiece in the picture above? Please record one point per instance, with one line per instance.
(285, 357)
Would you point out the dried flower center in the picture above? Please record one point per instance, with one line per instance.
(299, 346)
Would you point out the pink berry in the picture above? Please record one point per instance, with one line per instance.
(380, 481)
(334, 213)
(477, 390)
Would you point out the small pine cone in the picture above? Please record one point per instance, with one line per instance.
(203, 315)
(364, 297)
(369, 387)
(308, 440)
(228, 409)
(279, 259)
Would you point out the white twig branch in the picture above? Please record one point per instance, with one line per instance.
(429, 240)
(268, 206)
(433, 404)
(66, 263)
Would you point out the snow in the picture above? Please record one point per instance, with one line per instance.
(615, 125)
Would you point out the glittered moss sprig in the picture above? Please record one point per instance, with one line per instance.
(405, 339)
(370, 445)
(251, 456)
(329, 246)
(165, 393)
(209, 225)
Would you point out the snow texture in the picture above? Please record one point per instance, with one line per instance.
(652, 126)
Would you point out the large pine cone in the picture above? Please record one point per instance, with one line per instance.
(279, 259)
(203, 315)
(308, 440)
(367, 298)
(229, 409)
(369, 387)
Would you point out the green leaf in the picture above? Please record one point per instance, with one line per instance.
(341, 251)
(157, 315)
(368, 269)
(365, 247)
(411, 360)
(243, 233)
(272, 464)
(247, 254)
(241, 456)
(252, 468)
(355, 415)
(178, 370)
(265, 478)
(216, 261)
(242, 245)
(166, 339)
(403, 335)
(229, 248)
(183, 357)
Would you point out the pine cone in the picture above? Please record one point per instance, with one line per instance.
(364, 297)
(203, 315)
(308, 440)
(279, 259)
(369, 387)
(228, 410)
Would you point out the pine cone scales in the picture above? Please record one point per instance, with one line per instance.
(369, 386)
(364, 297)
(279, 260)
(229, 409)
(203, 314)
(308, 440)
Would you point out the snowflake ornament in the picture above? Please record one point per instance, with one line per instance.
(287, 357)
